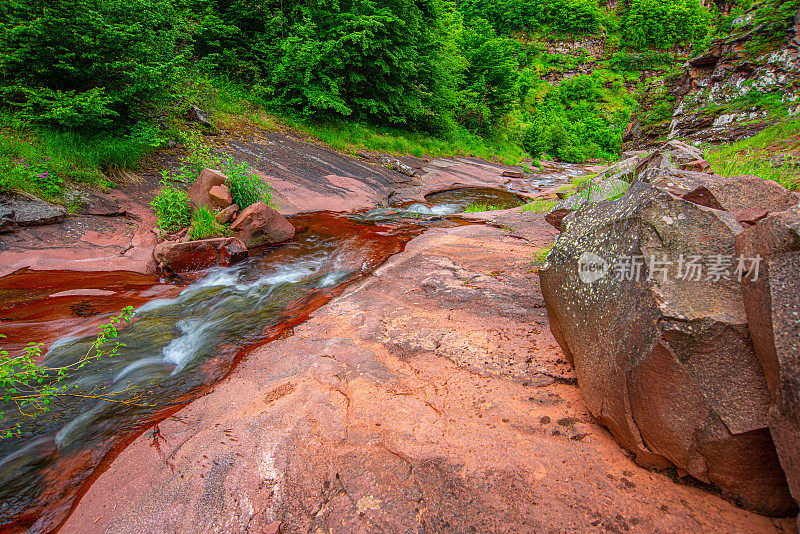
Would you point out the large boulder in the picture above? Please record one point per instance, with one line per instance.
(199, 193)
(664, 358)
(749, 198)
(607, 189)
(772, 302)
(194, 255)
(258, 225)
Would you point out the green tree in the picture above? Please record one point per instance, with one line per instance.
(490, 80)
(86, 64)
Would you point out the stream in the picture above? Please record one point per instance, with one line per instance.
(186, 335)
(179, 344)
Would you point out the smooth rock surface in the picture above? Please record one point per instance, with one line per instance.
(396, 409)
(259, 225)
(666, 362)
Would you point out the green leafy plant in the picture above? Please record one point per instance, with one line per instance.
(31, 175)
(87, 65)
(246, 186)
(204, 225)
(172, 207)
(33, 387)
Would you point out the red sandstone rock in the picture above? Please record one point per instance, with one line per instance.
(750, 216)
(394, 409)
(193, 255)
(225, 215)
(258, 225)
(514, 173)
(220, 195)
(698, 165)
(199, 192)
(739, 193)
(666, 362)
(772, 301)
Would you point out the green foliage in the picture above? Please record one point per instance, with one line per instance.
(204, 225)
(34, 387)
(361, 59)
(54, 158)
(560, 16)
(478, 207)
(757, 155)
(638, 61)
(84, 65)
(490, 81)
(352, 137)
(540, 206)
(580, 119)
(664, 23)
(774, 17)
(246, 186)
(172, 207)
(199, 156)
(21, 171)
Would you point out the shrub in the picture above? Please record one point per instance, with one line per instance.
(534, 140)
(198, 156)
(172, 207)
(246, 186)
(204, 225)
(633, 61)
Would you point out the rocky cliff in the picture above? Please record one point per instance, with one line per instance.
(731, 92)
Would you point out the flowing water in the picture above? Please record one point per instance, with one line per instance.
(186, 335)
(179, 343)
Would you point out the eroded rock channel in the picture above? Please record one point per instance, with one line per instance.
(386, 371)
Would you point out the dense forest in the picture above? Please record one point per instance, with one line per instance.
(122, 68)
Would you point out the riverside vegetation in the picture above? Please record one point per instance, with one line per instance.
(91, 86)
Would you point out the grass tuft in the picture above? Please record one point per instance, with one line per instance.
(204, 225)
(478, 207)
(540, 206)
(757, 155)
